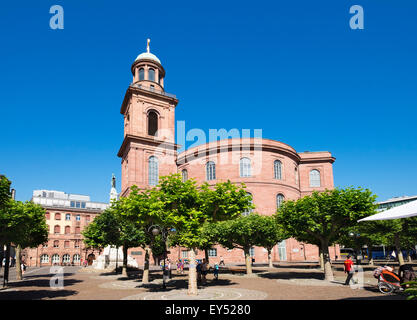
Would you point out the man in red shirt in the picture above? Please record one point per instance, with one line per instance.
(349, 269)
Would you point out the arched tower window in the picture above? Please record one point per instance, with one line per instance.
(151, 74)
(278, 170)
(153, 171)
(248, 212)
(210, 170)
(184, 174)
(152, 123)
(141, 74)
(245, 167)
(280, 199)
(314, 178)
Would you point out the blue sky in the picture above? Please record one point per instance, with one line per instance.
(294, 69)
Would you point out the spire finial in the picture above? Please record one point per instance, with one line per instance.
(147, 47)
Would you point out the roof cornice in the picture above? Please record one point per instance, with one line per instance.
(148, 141)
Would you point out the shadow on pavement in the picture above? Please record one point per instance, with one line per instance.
(35, 294)
(292, 275)
(40, 282)
(183, 284)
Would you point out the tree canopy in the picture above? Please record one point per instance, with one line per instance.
(324, 217)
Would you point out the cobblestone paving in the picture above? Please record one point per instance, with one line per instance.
(203, 294)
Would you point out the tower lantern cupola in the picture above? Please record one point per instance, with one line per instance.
(147, 71)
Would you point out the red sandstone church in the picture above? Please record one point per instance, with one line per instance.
(271, 170)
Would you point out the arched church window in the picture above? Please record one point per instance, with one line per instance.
(151, 75)
(314, 178)
(152, 123)
(245, 167)
(277, 169)
(153, 171)
(280, 199)
(141, 74)
(184, 174)
(210, 170)
(248, 212)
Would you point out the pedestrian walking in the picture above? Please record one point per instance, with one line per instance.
(177, 263)
(216, 271)
(23, 267)
(221, 261)
(198, 269)
(169, 269)
(204, 270)
(349, 269)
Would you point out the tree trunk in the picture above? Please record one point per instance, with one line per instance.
(321, 259)
(270, 258)
(398, 247)
(192, 274)
(206, 255)
(124, 268)
(328, 273)
(304, 251)
(145, 276)
(248, 260)
(117, 258)
(18, 262)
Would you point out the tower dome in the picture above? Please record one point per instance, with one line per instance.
(147, 70)
(149, 56)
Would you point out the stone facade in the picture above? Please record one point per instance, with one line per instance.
(65, 223)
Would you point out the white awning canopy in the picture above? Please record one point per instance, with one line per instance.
(404, 211)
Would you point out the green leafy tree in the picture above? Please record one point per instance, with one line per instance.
(114, 229)
(31, 228)
(271, 235)
(401, 233)
(5, 196)
(324, 216)
(180, 209)
(224, 201)
(188, 209)
(244, 233)
(143, 209)
(24, 225)
(367, 233)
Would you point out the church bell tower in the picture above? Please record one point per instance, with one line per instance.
(148, 150)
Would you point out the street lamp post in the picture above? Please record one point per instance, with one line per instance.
(358, 254)
(156, 229)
